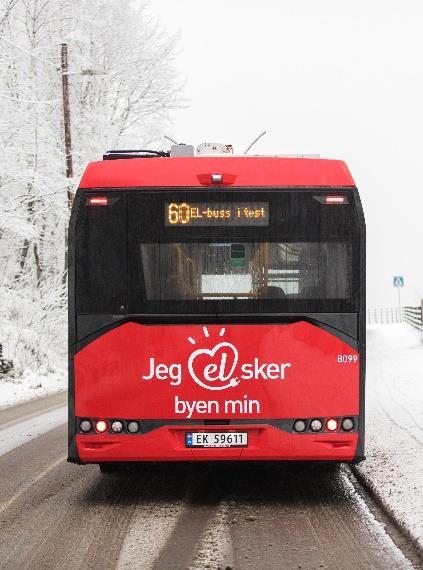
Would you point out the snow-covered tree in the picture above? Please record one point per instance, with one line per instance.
(122, 88)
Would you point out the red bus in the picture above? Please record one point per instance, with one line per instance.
(216, 310)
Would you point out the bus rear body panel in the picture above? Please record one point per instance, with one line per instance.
(257, 379)
(216, 323)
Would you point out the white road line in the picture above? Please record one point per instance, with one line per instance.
(22, 432)
(216, 549)
(147, 535)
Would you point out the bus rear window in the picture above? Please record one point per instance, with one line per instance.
(250, 270)
(275, 251)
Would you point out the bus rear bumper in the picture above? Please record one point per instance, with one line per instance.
(265, 443)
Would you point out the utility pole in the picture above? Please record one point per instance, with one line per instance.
(68, 143)
(68, 137)
(66, 117)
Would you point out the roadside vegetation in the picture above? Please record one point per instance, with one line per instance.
(122, 89)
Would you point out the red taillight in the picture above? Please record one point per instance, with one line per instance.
(335, 200)
(98, 201)
(101, 426)
(332, 425)
(332, 199)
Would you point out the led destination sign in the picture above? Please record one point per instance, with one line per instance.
(217, 214)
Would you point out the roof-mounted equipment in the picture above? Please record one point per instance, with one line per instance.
(180, 149)
(213, 149)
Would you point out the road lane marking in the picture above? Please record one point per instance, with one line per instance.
(18, 434)
(148, 533)
(24, 488)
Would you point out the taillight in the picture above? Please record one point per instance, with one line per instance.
(300, 425)
(316, 425)
(117, 426)
(323, 425)
(347, 424)
(98, 201)
(85, 426)
(133, 427)
(101, 426)
(335, 200)
(331, 199)
(332, 425)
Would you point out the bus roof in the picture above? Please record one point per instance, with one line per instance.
(239, 171)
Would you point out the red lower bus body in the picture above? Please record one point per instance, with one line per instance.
(265, 443)
(256, 379)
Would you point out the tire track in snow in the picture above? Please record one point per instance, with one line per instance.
(147, 535)
(216, 547)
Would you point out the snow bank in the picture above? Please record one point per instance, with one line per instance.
(394, 415)
(30, 385)
(34, 337)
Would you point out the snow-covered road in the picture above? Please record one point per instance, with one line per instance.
(394, 415)
(18, 434)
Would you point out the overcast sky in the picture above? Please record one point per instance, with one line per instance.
(340, 78)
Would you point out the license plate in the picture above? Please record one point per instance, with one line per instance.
(216, 439)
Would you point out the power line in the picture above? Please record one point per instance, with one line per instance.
(57, 67)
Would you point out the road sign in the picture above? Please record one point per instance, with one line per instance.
(398, 281)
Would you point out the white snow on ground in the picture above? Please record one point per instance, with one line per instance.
(30, 385)
(394, 416)
(22, 432)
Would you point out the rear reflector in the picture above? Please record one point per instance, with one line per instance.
(98, 201)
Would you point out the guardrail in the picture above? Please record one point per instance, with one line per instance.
(385, 315)
(413, 316)
(388, 315)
